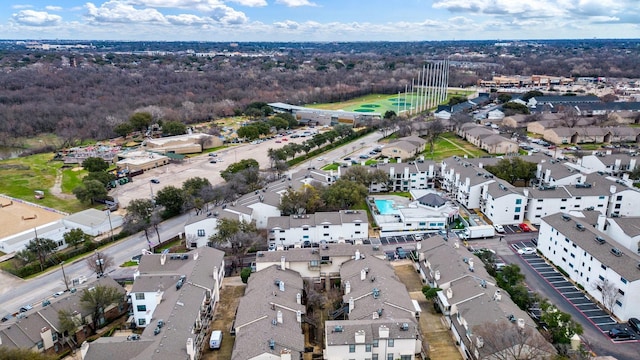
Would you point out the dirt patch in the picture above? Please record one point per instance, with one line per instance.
(434, 330)
(77, 168)
(16, 217)
(223, 317)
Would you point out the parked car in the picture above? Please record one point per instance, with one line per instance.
(401, 253)
(634, 323)
(524, 227)
(213, 154)
(180, 282)
(133, 337)
(621, 333)
(499, 228)
(155, 181)
(526, 251)
(26, 308)
(213, 161)
(58, 293)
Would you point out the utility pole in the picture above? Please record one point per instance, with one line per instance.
(64, 276)
(110, 226)
(99, 262)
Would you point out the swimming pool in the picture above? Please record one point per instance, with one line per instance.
(385, 207)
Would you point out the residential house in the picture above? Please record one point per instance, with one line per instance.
(268, 323)
(608, 271)
(40, 329)
(404, 148)
(498, 144)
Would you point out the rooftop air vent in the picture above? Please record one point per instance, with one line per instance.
(566, 217)
(638, 266)
(337, 328)
(600, 240)
(404, 327)
(583, 186)
(580, 227)
(616, 252)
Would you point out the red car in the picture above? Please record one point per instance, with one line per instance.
(285, 139)
(524, 227)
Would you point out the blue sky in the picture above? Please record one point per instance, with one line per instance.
(318, 20)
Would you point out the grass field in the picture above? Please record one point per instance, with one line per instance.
(22, 176)
(379, 103)
(449, 145)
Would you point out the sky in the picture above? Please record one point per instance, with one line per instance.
(318, 20)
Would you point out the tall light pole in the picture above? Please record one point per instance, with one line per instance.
(64, 276)
(110, 226)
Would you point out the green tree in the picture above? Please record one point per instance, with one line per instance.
(390, 115)
(69, 324)
(141, 121)
(244, 275)
(253, 113)
(560, 325)
(307, 200)
(513, 169)
(504, 98)
(41, 248)
(7, 353)
(513, 107)
(344, 194)
(123, 129)
(172, 128)
(429, 292)
(103, 177)
(198, 193)
(237, 167)
(531, 94)
(456, 99)
(89, 191)
(173, 200)
(278, 122)
(290, 119)
(96, 299)
(75, 237)
(95, 164)
(248, 132)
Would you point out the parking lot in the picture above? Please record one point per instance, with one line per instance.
(590, 309)
(411, 238)
(514, 229)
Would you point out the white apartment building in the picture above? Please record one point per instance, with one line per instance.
(370, 339)
(464, 180)
(503, 203)
(623, 201)
(419, 174)
(330, 227)
(625, 230)
(594, 260)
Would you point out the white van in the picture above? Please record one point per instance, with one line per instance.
(216, 339)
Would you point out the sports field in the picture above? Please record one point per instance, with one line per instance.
(378, 103)
(16, 217)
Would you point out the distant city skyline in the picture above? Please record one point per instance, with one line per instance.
(318, 20)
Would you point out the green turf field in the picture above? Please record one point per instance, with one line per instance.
(377, 103)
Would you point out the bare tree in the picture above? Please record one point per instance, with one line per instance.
(609, 293)
(100, 263)
(506, 341)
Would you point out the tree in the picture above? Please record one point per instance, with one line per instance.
(244, 274)
(430, 293)
(123, 129)
(96, 299)
(434, 130)
(531, 94)
(103, 177)
(289, 118)
(7, 353)
(635, 173)
(172, 128)
(75, 237)
(560, 326)
(456, 99)
(513, 107)
(138, 217)
(503, 98)
(237, 167)
(344, 194)
(305, 201)
(141, 121)
(69, 323)
(513, 169)
(100, 263)
(390, 115)
(89, 191)
(95, 164)
(198, 192)
(507, 341)
(41, 248)
(608, 291)
(173, 200)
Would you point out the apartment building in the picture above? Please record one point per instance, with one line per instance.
(606, 269)
(414, 175)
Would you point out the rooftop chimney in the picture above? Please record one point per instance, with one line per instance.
(360, 337)
(299, 316)
(357, 254)
(298, 298)
(283, 263)
(279, 316)
(163, 259)
(352, 304)
(347, 287)
(363, 274)
(383, 332)
(281, 285)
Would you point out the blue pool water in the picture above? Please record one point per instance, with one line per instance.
(385, 207)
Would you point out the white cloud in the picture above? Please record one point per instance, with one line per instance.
(117, 12)
(36, 18)
(188, 20)
(287, 24)
(21, 6)
(296, 3)
(53, 8)
(250, 3)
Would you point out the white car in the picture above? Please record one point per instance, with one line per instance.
(526, 251)
(499, 228)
